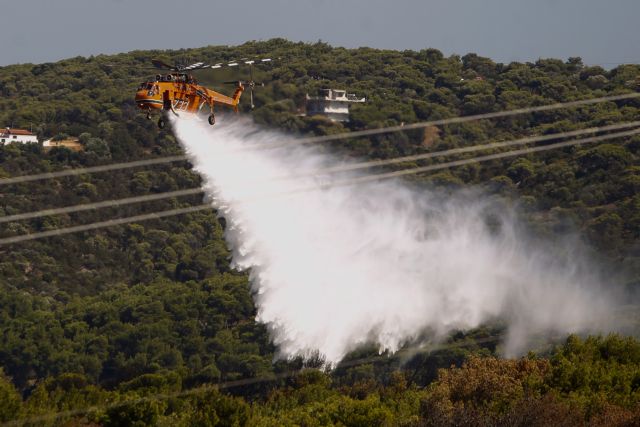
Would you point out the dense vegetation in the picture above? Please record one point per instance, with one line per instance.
(153, 308)
(594, 382)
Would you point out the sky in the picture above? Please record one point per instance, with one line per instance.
(601, 32)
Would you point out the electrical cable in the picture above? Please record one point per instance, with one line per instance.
(352, 181)
(102, 224)
(494, 145)
(92, 169)
(315, 139)
(413, 171)
(99, 205)
(449, 121)
(339, 168)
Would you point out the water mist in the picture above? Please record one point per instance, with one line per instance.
(382, 262)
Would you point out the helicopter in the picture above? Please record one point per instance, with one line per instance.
(179, 92)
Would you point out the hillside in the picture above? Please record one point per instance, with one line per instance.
(142, 309)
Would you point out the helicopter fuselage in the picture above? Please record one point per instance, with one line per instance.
(181, 93)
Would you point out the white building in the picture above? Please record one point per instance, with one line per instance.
(332, 103)
(10, 136)
(71, 143)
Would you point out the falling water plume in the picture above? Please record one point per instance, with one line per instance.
(382, 262)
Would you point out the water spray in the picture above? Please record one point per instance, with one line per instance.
(381, 262)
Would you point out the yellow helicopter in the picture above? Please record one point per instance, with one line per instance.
(179, 92)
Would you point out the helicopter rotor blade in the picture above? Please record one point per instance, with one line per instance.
(162, 65)
(237, 63)
(157, 63)
(195, 66)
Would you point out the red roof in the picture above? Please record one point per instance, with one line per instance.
(8, 131)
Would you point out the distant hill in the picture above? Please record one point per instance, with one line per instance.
(154, 307)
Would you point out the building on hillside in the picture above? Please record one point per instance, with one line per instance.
(71, 143)
(332, 103)
(21, 136)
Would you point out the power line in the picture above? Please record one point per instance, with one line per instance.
(409, 351)
(413, 171)
(494, 145)
(430, 168)
(452, 120)
(352, 181)
(340, 168)
(102, 224)
(99, 205)
(325, 138)
(92, 169)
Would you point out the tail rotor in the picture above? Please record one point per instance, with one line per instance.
(247, 84)
(251, 84)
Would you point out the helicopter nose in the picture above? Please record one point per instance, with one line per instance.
(146, 102)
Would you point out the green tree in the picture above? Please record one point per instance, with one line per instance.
(11, 402)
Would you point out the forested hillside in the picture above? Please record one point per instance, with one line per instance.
(154, 309)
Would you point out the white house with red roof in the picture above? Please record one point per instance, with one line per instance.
(11, 136)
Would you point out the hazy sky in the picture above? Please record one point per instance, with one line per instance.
(600, 31)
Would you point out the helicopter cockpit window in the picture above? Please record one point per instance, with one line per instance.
(152, 89)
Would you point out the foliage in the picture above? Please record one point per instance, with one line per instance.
(113, 317)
